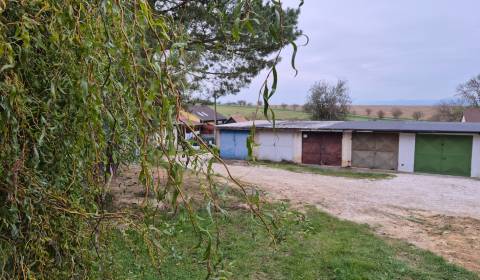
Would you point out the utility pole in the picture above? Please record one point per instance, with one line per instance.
(215, 106)
(215, 118)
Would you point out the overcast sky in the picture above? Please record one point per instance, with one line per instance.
(391, 52)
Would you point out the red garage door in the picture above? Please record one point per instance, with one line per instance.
(324, 148)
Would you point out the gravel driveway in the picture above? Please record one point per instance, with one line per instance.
(438, 213)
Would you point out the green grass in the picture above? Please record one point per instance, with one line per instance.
(359, 118)
(315, 246)
(327, 171)
(249, 111)
(282, 114)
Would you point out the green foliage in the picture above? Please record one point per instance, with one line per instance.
(229, 42)
(84, 87)
(78, 98)
(251, 143)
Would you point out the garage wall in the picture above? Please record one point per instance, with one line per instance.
(476, 156)
(406, 152)
(297, 147)
(278, 145)
(347, 149)
(217, 137)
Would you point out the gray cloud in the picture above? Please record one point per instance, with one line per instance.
(388, 50)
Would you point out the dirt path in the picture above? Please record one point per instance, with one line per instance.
(437, 213)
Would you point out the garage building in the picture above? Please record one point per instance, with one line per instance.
(406, 146)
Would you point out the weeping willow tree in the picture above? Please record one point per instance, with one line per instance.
(83, 87)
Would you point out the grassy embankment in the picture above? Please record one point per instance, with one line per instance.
(314, 246)
(249, 112)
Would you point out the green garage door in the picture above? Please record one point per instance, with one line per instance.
(443, 154)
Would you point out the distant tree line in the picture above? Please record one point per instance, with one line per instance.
(331, 101)
(467, 95)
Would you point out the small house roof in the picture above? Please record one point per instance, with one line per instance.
(236, 118)
(472, 115)
(377, 126)
(205, 113)
(188, 118)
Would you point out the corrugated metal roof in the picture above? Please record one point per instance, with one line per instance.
(391, 126)
(244, 125)
(314, 125)
(410, 126)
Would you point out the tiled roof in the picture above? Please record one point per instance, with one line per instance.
(237, 118)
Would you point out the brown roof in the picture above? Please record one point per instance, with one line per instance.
(236, 119)
(472, 115)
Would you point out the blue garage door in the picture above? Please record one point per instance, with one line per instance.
(233, 144)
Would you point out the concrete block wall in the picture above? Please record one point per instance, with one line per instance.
(347, 149)
(297, 149)
(217, 137)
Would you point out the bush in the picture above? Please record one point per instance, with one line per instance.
(397, 112)
(328, 102)
(242, 103)
(449, 111)
(417, 115)
(380, 114)
(368, 111)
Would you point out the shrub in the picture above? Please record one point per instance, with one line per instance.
(380, 114)
(417, 115)
(397, 112)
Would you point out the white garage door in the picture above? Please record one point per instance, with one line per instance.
(275, 146)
